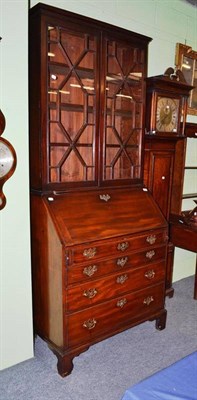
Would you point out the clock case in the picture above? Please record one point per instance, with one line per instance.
(164, 157)
(171, 85)
(12, 168)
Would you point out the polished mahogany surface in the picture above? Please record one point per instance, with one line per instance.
(94, 215)
(184, 235)
(88, 95)
(99, 241)
(191, 129)
(87, 284)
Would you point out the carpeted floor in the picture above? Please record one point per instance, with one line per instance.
(108, 368)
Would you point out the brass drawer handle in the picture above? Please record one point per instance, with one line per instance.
(121, 262)
(90, 293)
(121, 303)
(148, 300)
(150, 274)
(150, 254)
(89, 253)
(121, 279)
(105, 197)
(90, 323)
(123, 246)
(90, 270)
(151, 239)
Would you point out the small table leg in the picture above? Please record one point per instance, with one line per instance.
(195, 282)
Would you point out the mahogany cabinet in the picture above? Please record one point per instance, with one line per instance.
(190, 166)
(99, 240)
(87, 102)
(183, 234)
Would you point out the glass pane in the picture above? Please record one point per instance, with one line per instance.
(187, 67)
(124, 106)
(71, 98)
(194, 91)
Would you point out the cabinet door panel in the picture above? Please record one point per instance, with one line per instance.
(160, 183)
(123, 113)
(72, 61)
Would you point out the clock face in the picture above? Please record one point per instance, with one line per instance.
(6, 158)
(167, 114)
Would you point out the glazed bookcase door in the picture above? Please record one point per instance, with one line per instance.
(87, 103)
(72, 99)
(123, 111)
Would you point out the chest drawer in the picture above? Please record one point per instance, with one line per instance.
(123, 245)
(94, 292)
(98, 269)
(97, 321)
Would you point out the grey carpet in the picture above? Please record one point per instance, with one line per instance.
(108, 368)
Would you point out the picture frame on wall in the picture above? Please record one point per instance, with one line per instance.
(186, 61)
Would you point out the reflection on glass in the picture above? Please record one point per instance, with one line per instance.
(123, 122)
(189, 68)
(186, 60)
(193, 103)
(71, 99)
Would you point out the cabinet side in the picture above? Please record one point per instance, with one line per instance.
(34, 103)
(47, 274)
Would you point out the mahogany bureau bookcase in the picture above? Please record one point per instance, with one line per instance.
(99, 240)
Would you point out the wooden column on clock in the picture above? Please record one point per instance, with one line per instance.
(99, 240)
(165, 146)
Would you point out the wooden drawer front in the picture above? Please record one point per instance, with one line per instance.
(94, 292)
(99, 320)
(98, 269)
(117, 247)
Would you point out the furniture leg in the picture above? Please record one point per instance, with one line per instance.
(195, 282)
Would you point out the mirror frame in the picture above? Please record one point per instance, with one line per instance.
(186, 56)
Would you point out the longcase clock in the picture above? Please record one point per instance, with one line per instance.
(167, 98)
(165, 143)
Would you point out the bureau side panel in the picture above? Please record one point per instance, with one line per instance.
(47, 274)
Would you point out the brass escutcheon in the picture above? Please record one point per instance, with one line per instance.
(90, 270)
(89, 253)
(148, 300)
(150, 274)
(151, 239)
(121, 303)
(90, 323)
(105, 197)
(122, 261)
(90, 293)
(150, 254)
(123, 246)
(121, 279)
